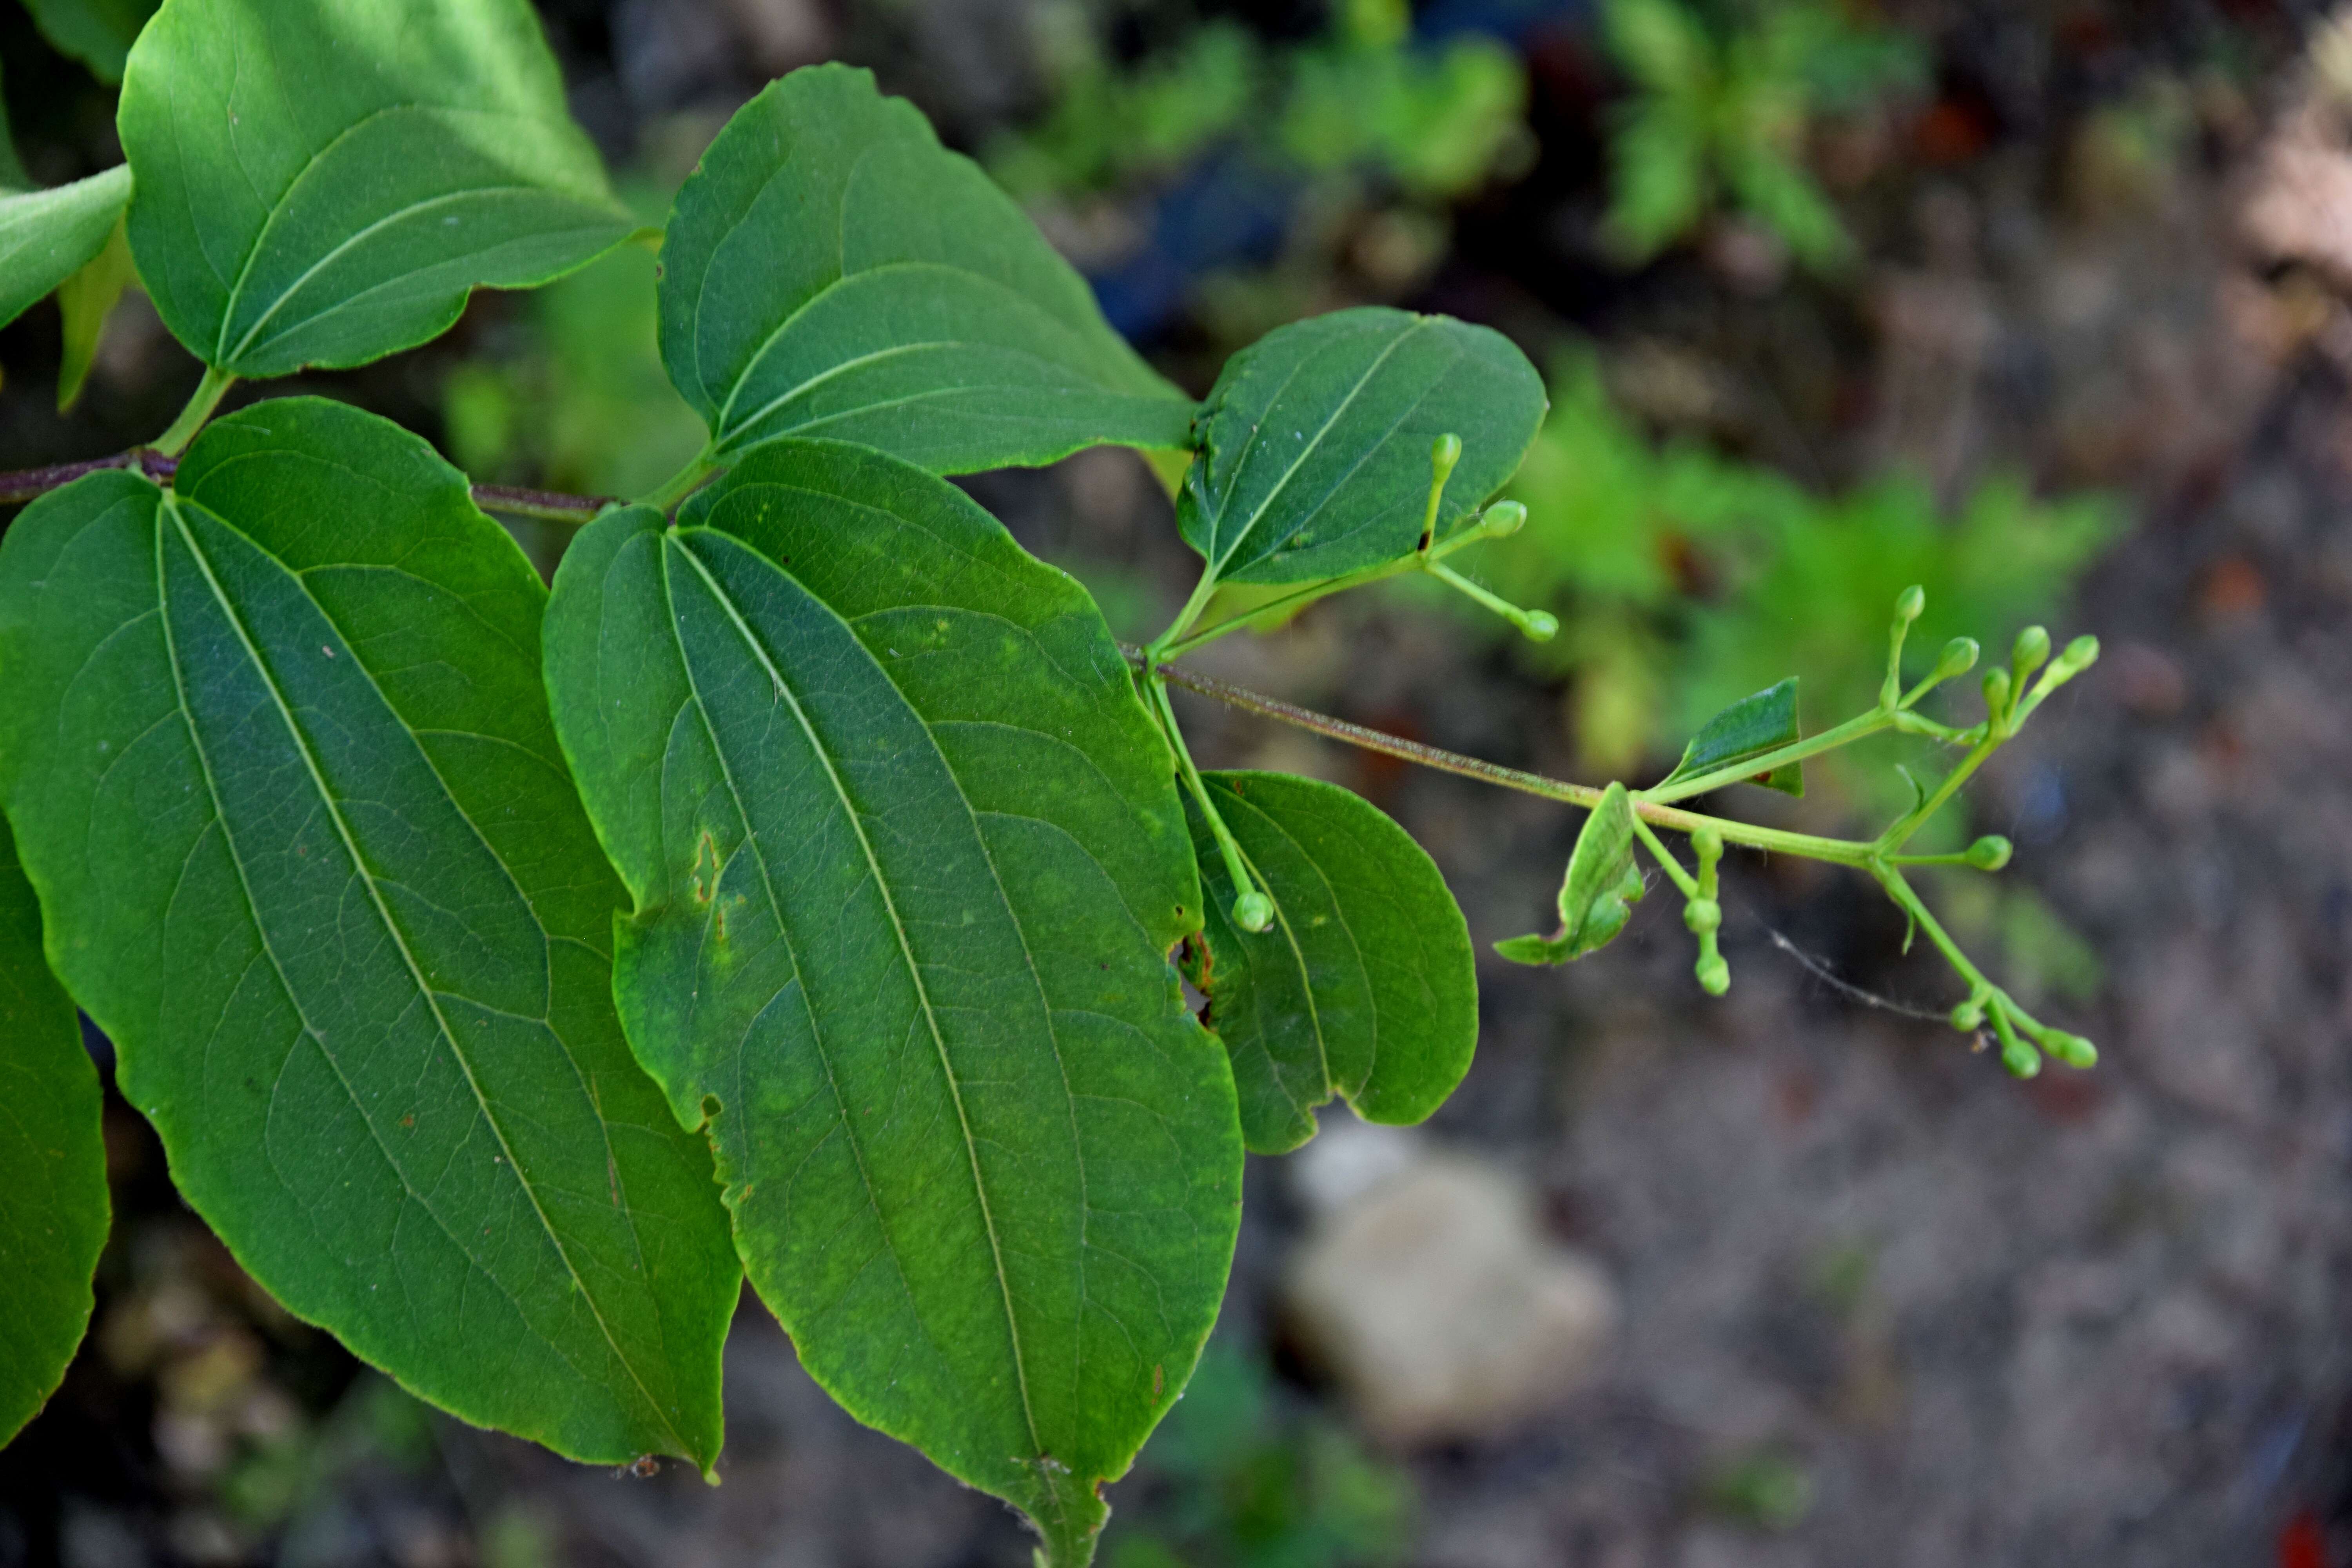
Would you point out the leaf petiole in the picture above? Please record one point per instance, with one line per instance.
(199, 407)
(1252, 910)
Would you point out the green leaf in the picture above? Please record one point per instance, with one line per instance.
(909, 863)
(830, 271)
(1596, 897)
(53, 1207)
(279, 761)
(323, 184)
(1316, 440)
(1764, 721)
(98, 33)
(86, 300)
(47, 235)
(1364, 986)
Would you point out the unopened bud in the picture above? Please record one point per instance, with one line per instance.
(1703, 915)
(1960, 656)
(2025, 656)
(1912, 600)
(1996, 691)
(1502, 520)
(1444, 453)
(1968, 1016)
(1714, 974)
(1990, 853)
(2022, 1059)
(2073, 1049)
(2080, 655)
(1252, 910)
(1540, 625)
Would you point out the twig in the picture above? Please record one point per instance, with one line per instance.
(31, 484)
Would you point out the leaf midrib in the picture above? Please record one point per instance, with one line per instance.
(170, 505)
(1307, 450)
(915, 975)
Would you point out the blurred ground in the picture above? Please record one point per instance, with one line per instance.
(1875, 1300)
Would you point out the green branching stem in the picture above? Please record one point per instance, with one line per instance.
(199, 408)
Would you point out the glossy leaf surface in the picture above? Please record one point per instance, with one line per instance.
(1597, 895)
(53, 1204)
(47, 235)
(322, 182)
(1316, 441)
(279, 758)
(831, 271)
(98, 33)
(1365, 985)
(1748, 728)
(909, 861)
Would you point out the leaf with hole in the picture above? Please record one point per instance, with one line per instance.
(324, 184)
(908, 862)
(45, 237)
(98, 33)
(280, 762)
(1756, 724)
(1597, 895)
(1315, 443)
(53, 1204)
(831, 271)
(1364, 986)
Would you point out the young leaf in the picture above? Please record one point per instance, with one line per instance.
(908, 861)
(831, 271)
(98, 33)
(324, 184)
(1316, 439)
(86, 300)
(47, 235)
(53, 1207)
(1364, 986)
(1750, 726)
(280, 762)
(1597, 895)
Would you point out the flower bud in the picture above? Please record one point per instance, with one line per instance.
(1968, 1016)
(1960, 656)
(1913, 600)
(1714, 973)
(2080, 655)
(1540, 625)
(1703, 915)
(1996, 691)
(1444, 453)
(2073, 1049)
(2031, 648)
(2022, 1059)
(1990, 853)
(1252, 910)
(1502, 520)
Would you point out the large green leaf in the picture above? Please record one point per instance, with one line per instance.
(1364, 986)
(46, 235)
(909, 863)
(1597, 895)
(322, 182)
(98, 33)
(1316, 441)
(53, 1208)
(831, 271)
(280, 762)
(1763, 722)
